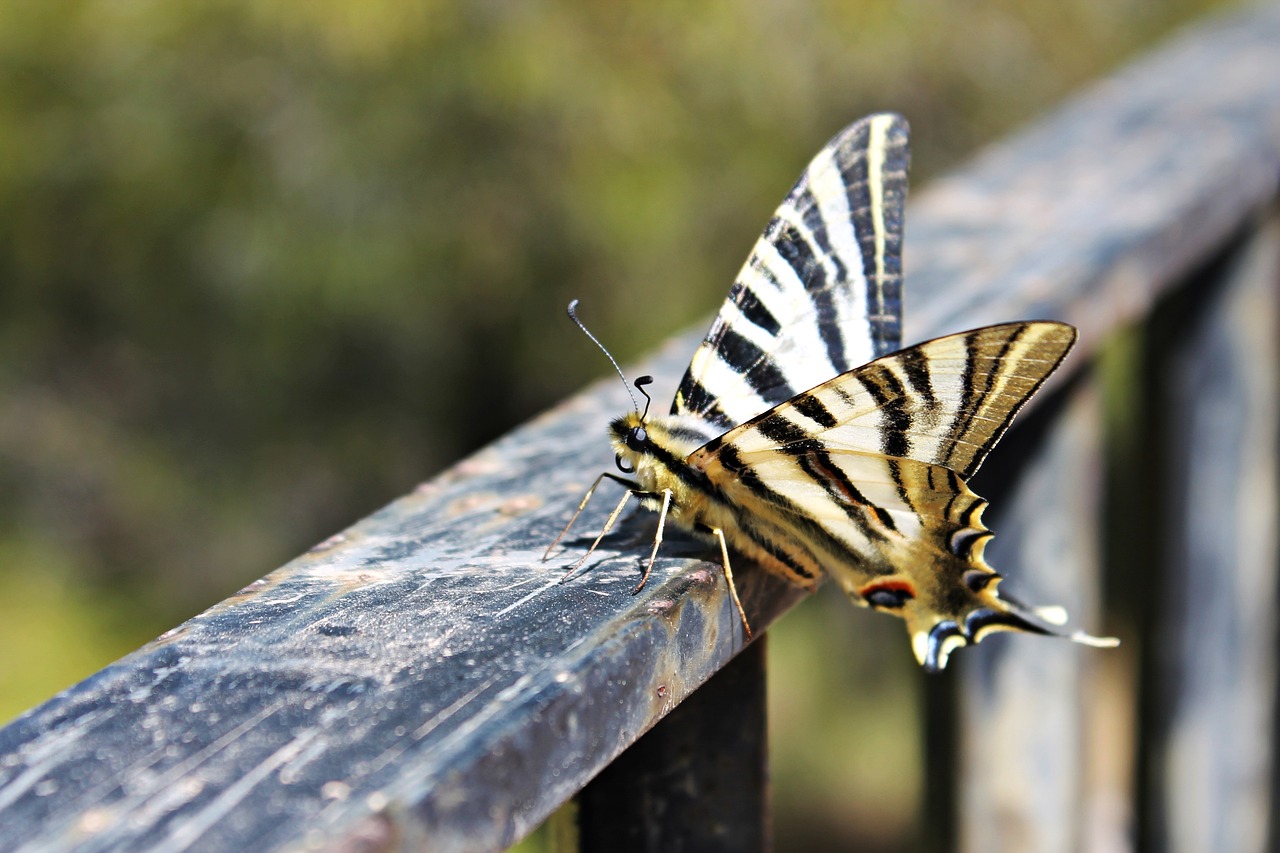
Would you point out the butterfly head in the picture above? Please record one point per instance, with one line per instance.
(630, 434)
(951, 609)
(631, 441)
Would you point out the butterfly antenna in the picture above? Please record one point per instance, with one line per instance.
(648, 401)
(573, 315)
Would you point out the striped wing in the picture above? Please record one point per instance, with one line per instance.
(902, 536)
(863, 478)
(944, 402)
(820, 292)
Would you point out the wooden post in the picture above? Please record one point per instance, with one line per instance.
(1213, 655)
(1030, 712)
(698, 781)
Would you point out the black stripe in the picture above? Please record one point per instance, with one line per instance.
(798, 254)
(961, 541)
(964, 411)
(699, 431)
(712, 413)
(985, 617)
(888, 393)
(829, 328)
(730, 460)
(897, 442)
(815, 410)
(809, 528)
(758, 264)
(895, 471)
(754, 310)
(992, 375)
(941, 632)
(801, 256)
(977, 404)
(834, 472)
(698, 400)
(932, 472)
(976, 580)
(885, 294)
(758, 369)
(811, 215)
(954, 486)
(916, 366)
(691, 397)
(713, 445)
(966, 517)
(787, 435)
(844, 491)
(883, 516)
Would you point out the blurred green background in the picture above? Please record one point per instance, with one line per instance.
(264, 266)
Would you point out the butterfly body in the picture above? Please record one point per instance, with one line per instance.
(800, 440)
(659, 459)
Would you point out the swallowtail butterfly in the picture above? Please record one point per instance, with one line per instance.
(783, 449)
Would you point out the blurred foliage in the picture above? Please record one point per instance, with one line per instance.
(266, 265)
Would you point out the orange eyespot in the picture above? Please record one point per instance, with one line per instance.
(888, 595)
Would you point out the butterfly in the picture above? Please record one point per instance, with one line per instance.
(800, 439)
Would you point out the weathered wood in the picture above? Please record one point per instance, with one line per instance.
(1215, 646)
(698, 781)
(1028, 710)
(422, 681)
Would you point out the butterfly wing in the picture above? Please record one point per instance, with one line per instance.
(821, 290)
(863, 477)
(944, 402)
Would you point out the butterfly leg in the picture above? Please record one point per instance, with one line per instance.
(657, 539)
(728, 576)
(608, 525)
(583, 505)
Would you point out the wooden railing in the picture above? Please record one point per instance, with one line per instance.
(422, 681)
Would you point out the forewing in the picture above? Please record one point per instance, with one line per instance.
(944, 402)
(821, 290)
